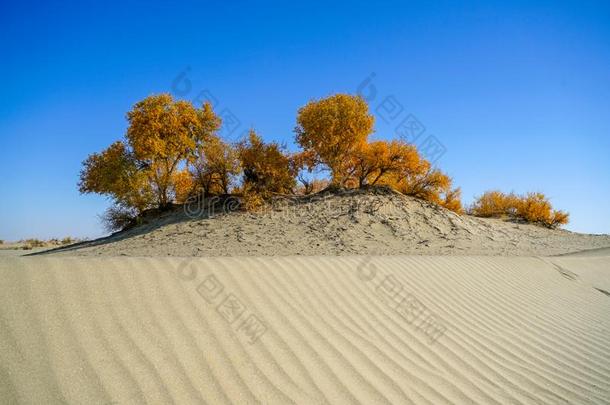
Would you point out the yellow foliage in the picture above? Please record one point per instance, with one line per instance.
(333, 129)
(536, 208)
(215, 166)
(163, 132)
(171, 149)
(558, 218)
(251, 200)
(266, 168)
(184, 186)
(377, 160)
(452, 200)
(114, 172)
(494, 203)
(532, 207)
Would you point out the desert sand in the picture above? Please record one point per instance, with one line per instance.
(354, 222)
(306, 330)
(358, 297)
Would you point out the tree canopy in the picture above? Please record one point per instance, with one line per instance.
(172, 152)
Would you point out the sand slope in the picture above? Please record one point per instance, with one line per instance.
(355, 222)
(141, 330)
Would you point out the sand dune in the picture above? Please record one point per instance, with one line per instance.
(353, 222)
(308, 330)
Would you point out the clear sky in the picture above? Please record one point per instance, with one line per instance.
(517, 93)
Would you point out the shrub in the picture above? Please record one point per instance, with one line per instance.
(533, 208)
(452, 200)
(266, 168)
(117, 218)
(215, 167)
(495, 204)
(557, 219)
(252, 200)
(33, 243)
(68, 241)
(536, 208)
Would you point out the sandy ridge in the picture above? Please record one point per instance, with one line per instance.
(356, 222)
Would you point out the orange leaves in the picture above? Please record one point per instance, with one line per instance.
(495, 204)
(532, 207)
(334, 132)
(114, 172)
(161, 128)
(162, 133)
(376, 160)
(452, 200)
(333, 128)
(183, 186)
(266, 168)
(172, 150)
(558, 218)
(142, 172)
(536, 208)
(215, 166)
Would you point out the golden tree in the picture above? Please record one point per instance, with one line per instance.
(215, 166)
(149, 169)
(184, 186)
(115, 173)
(375, 161)
(557, 219)
(162, 133)
(266, 168)
(334, 128)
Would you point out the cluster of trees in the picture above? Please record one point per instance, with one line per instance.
(334, 132)
(172, 152)
(531, 207)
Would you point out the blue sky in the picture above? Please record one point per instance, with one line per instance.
(517, 94)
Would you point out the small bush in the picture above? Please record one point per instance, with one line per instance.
(558, 218)
(267, 169)
(495, 204)
(534, 208)
(67, 241)
(33, 243)
(250, 199)
(452, 201)
(117, 218)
